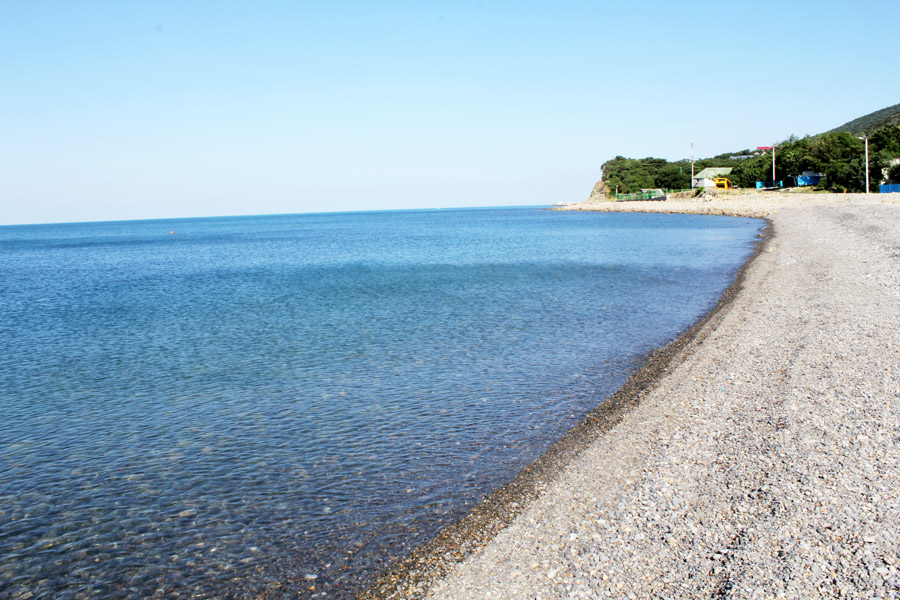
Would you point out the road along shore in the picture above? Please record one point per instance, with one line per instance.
(761, 460)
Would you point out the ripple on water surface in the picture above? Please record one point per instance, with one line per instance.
(284, 405)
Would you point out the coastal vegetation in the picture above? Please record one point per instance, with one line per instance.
(837, 155)
(872, 122)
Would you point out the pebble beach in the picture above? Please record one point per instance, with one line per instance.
(757, 457)
(737, 203)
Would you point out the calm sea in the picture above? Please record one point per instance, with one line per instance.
(228, 407)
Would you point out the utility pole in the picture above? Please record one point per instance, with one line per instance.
(773, 166)
(692, 165)
(866, 138)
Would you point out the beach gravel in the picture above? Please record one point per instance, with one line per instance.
(764, 464)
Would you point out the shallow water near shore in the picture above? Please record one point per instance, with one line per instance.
(283, 405)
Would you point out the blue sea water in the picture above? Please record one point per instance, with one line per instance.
(282, 405)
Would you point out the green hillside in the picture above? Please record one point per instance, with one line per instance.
(872, 122)
(837, 154)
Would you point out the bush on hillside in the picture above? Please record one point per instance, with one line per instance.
(894, 173)
(840, 156)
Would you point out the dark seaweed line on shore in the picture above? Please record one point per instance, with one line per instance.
(412, 576)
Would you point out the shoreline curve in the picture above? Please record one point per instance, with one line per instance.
(413, 575)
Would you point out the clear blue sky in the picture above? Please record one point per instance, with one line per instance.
(140, 109)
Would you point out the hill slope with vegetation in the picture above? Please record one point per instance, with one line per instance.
(839, 155)
(872, 122)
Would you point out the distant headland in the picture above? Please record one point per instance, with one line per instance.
(834, 161)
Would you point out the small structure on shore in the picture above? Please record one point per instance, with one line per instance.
(644, 194)
(723, 183)
(707, 177)
(769, 185)
(809, 178)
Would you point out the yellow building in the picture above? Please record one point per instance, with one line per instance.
(708, 177)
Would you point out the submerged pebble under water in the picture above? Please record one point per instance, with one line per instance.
(282, 405)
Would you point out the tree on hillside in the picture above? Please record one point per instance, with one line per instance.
(839, 156)
(746, 173)
(789, 157)
(894, 174)
(673, 177)
(879, 162)
(631, 175)
(887, 139)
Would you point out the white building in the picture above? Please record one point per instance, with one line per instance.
(707, 177)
